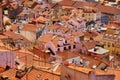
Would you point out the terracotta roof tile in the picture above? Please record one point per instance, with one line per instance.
(64, 29)
(99, 37)
(3, 36)
(28, 3)
(66, 3)
(54, 27)
(113, 25)
(89, 35)
(66, 18)
(110, 31)
(43, 75)
(2, 69)
(40, 54)
(89, 44)
(101, 8)
(16, 36)
(14, 27)
(10, 73)
(32, 75)
(45, 38)
(41, 19)
(50, 4)
(29, 27)
(78, 33)
(12, 35)
(87, 70)
(37, 7)
(108, 9)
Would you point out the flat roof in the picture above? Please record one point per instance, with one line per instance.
(99, 50)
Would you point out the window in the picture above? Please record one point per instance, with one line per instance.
(58, 49)
(69, 47)
(58, 45)
(65, 41)
(113, 45)
(83, 15)
(64, 48)
(74, 46)
(109, 44)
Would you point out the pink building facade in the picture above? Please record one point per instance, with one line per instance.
(77, 24)
(7, 58)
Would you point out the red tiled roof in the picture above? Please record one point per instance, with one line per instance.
(113, 25)
(41, 19)
(12, 35)
(38, 6)
(16, 36)
(110, 31)
(40, 53)
(78, 33)
(10, 73)
(29, 27)
(45, 38)
(90, 35)
(108, 9)
(54, 27)
(32, 75)
(14, 27)
(99, 37)
(89, 44)
(101, 8)
(66, 2)
(2, 69)
(117, 21)
(50, 4)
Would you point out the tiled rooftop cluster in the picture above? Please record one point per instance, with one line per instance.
(65, 40)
